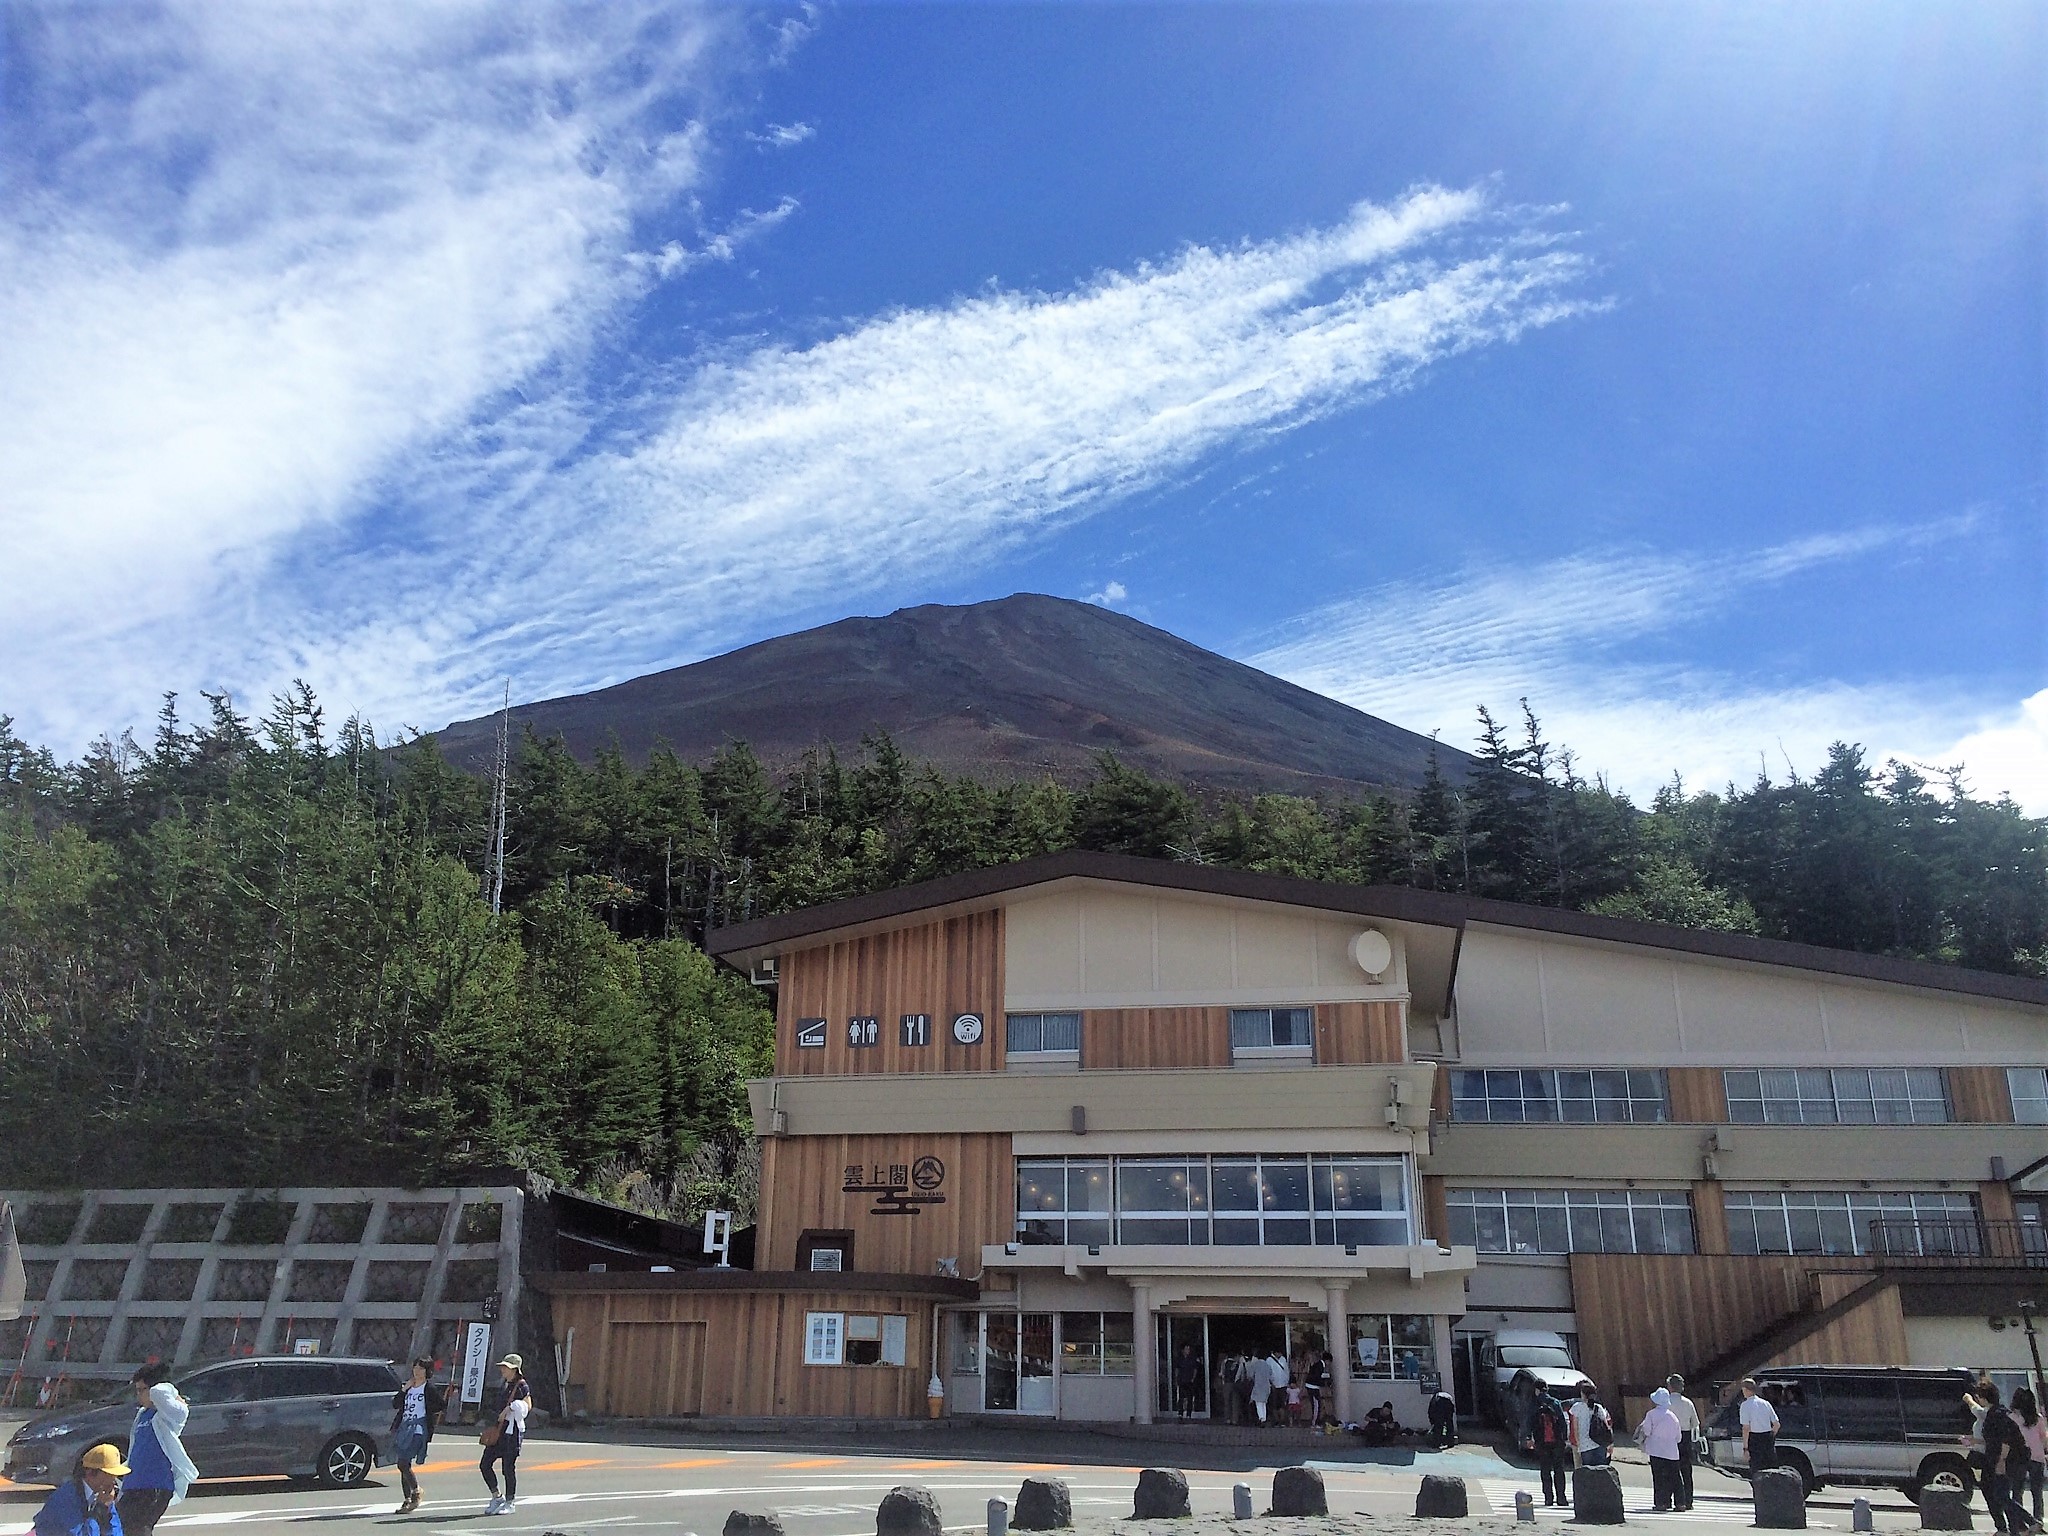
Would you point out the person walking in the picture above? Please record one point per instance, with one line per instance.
(1759, 1428)
(1316, 1382)
(2005, 1466)
(1689, 1444)
(1187, 1381)
(1283, 1376)
(2034, 1428)
(1592, 1428)
(416, 1410)
(84, 1503)
(159, 1470)
(502, 1439)
(1550, 1436)
(1658, 1434)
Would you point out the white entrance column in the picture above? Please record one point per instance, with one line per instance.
(1145, 1347)
(1336, 1297)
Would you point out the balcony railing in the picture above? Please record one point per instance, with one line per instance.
(1959, 1240)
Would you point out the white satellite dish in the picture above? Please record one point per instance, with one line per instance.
(1373, 952)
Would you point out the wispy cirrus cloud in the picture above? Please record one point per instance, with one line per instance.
(1571, 635)
(391, 475)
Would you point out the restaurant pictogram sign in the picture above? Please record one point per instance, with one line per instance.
(900, 1189)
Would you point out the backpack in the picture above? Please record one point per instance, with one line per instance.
(1600, 1427)
(1548, 1428)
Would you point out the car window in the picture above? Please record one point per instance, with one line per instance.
(1862, 1410)
(300, 1378)
(230, 1384)
(1934, 1408)
(367, 1378)
(1794, 1401)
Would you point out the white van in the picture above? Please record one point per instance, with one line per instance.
(1871, 1425)
(1513, 1363)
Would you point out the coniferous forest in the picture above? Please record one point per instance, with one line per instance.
(263, 951)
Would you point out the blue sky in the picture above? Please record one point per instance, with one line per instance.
(1678, 367)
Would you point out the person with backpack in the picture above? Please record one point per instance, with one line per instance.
(1550, 1437)
(1658, 1434)
(2034, 1429)
(416, 1408)
(1592, 1428)
(2005, 1467)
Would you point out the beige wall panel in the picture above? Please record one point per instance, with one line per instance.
(1610, 1004)
(1196, 944)
(1898, 1155)
(1042, 945)
(1500, 998)
(1116, 945)
(1895, 1024)
(1744, 1015)
(1166, 1101)
(1947, 1342)
(1087, 946)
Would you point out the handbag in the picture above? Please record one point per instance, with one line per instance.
(491, 1433)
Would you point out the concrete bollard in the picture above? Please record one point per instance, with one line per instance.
(1859, 1516)
(1525, 1507)
(998, 1517)
(1241, 1500)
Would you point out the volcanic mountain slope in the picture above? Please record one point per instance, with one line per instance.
(1016, 687)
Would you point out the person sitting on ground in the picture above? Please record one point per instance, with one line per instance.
(1380, 1426)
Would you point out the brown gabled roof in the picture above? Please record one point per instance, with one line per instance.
(1392, 902)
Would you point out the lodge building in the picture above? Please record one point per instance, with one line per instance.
(1033, 1129)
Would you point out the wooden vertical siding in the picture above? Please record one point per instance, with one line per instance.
(1436, 1210)
(1980, 1095)
(1440, 1092)
(1155, 1037)
(1710, 1216)
(1994, 1201)
(1698, 1095)
(666, 1354)
(1873, 1332)
(1644, 1315)
(943, 968)
(803, 1178)
(1359, 1034)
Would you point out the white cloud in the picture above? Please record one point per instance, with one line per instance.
(1570, 636)
(525, 524)
(784, 135)
(1111, 594)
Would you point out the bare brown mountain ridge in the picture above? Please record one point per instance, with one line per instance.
(1016, 687)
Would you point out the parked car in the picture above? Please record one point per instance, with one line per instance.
(1876, 1426)
(302, 1416)
(1513, 1363)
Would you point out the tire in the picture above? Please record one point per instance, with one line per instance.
(1796, 1462)
(345, 1461)
(1942, 1472)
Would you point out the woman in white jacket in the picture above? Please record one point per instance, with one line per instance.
(159, 1470)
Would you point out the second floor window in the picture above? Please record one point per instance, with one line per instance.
(1226, 1199)
(1571, 1220)
(1841, 1221)
(1272, 1029)
(2029, 1094)
(1049, 1034)
(1837, 1096)
(1565, 1094)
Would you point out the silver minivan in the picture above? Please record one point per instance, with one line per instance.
(296, 1415)
(1869, 1425)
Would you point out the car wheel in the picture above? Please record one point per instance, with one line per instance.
(1794, 1462)
(346, 1461)
(1946, 1472)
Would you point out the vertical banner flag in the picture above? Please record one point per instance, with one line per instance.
(476, 1360)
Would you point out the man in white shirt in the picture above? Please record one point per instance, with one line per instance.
(1759, 1428)
(1688, 1445)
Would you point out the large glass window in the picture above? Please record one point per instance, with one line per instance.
(1034, 1034)
(1566, 1094)
(1272, 1029)
(1227, 1199)
(2029, 1087)
(1096, 1344)
(1391, 1347)
(1571, 1221)
(1836, 1096)
(1839, 1221)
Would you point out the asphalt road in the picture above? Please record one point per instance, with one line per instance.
(596, 1485)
